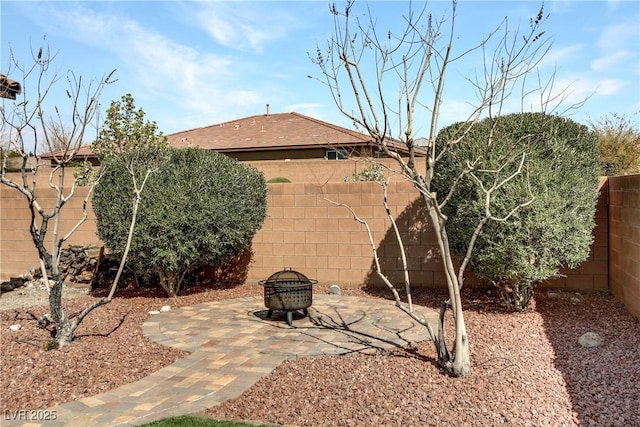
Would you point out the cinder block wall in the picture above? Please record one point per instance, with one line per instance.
(319, 171)
(17, 251)
(624, 240)
(306, 232)
(593, 274)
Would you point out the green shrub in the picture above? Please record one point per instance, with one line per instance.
(618, 144)
(374, 172)
(199, 207)
(561, 172)
(278, 179)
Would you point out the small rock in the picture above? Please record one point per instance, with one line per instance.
(577, 299)
(15, 327)
(154, 312)
(12, 284)
(44, 321)
(591, 339)
(165, 308)
(85, 277)
(334, 290)
(6, 287)
(553, 295)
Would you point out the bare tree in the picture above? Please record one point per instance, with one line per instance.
(27, 127)
(58, 136)
(386, 82)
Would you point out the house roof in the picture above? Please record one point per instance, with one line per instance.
(83, 152)
(263, 133)
(268, 132)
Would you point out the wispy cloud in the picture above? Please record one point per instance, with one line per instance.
(561, 55)
(245, 26)
(571, 92)
(616, 36)
(610, 61)
(618, 45)
(200, 82)
(610, 87)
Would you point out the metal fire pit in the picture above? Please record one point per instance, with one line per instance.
(289, 291)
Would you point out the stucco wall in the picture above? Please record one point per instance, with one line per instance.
(624, 240)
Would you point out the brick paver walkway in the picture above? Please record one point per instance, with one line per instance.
(232, 345)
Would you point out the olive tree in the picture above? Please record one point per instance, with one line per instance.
(560, 176)
(30, 124)
(137, 145)
(199, 207)
(390, 83)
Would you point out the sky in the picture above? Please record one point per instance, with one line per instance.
(190, 64)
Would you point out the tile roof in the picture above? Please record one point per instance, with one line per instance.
(268, 132)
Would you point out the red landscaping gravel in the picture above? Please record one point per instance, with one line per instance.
(528, 368)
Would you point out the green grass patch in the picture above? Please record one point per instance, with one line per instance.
(191, 421)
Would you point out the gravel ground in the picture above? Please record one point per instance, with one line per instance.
(529, 369)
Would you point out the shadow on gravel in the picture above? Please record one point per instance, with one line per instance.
(603, 382)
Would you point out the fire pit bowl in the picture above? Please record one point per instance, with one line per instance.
(288, 290)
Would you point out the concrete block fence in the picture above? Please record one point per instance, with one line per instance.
(624, 240)
(308, 233)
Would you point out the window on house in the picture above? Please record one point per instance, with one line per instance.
(337, 154)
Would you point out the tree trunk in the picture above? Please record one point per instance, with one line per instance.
(170, 282)
(461, 364)
(64, 327)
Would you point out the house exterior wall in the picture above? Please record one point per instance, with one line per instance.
(306, 232)
(307, 153)
(624, 240)
(317, 153)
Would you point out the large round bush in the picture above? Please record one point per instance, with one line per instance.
(198, 207)
(558, 180)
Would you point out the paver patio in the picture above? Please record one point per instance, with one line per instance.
(232, 345)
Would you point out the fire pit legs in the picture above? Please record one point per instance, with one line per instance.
(289, 315)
